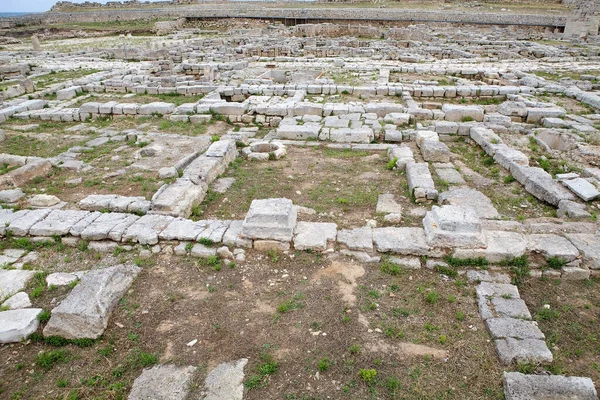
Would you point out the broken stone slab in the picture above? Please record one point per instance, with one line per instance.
(405, 240)
(114, 203)
(510, 308)
(511, 351)
(552, 246)
(17, 301)
(178, 198)
(83, 223)
(223, 148)
(406, 262)
(13, 281)
(314, 235)
(485, 138)
(420, 182)
(7, 216)
(60, 279)
(222, 185)
(574, 273)
(435, 151)
(84, 313)
(422, 136)
(453, 226)
(200, 250)
(7, 260)
(471, 198)
(589, 246)
(146, 229)
(215, 230)
(501, 246)
(540, 184)
(272, 219)
(361, 256)
(108, 226)
(518, 386)
(44, 201)
(387, 205)
(450, 176)
(226, 381)
(572, 209)
(356, 239)
(502, 328)
(582, 188)
(57, 223)
(486, 276)
(233, 236)
(27, 172)
(182, 229)
(16, 325)
(403, 156)
(21, 225)
(270, 245)
(491, 289)
(97, 202)
(506, 156)
(163, 382)
(11, 195)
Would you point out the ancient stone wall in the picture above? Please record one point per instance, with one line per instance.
(67, 6)
(297, 15)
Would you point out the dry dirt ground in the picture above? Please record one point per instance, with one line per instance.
(318, 322)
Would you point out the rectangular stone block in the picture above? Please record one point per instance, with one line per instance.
(270, 219)
(84, 313)
(406, 241)
(314, 235)
(519, 386)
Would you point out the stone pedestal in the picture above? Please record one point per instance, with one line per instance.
(270, 219)
(453, 226)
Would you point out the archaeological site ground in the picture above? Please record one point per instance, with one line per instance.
(300, 201)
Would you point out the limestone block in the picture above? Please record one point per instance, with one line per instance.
(501, 246)
(406, 241)
(58, 222)
(453, 226)
(519, 386)
(582, 188)
(435, 151)
(163, 382)
(273, 219)
(314, 235)
(356, 239)
(84, 313)
(458, 113)
(551, 246)
(16, 325)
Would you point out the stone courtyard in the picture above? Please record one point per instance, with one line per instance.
(236, 208)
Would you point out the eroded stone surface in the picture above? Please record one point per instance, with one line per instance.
(225, 381)
(518, 386)
(84, 313)
(163, 382)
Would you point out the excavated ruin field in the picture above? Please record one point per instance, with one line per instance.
(308, 212)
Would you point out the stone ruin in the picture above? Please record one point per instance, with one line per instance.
(410, 94)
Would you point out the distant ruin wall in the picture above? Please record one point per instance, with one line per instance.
(300, 15)
(67, 6)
